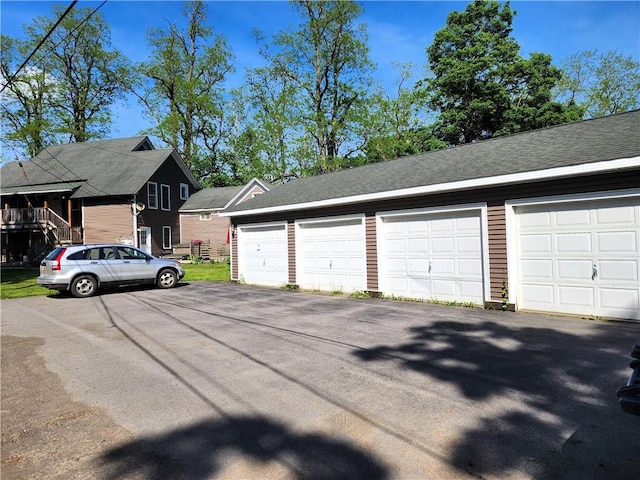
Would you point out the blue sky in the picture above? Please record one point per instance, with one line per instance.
(399, 31)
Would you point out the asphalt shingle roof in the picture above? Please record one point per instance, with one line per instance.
(102, 168)
(211, 198)
(606, 138)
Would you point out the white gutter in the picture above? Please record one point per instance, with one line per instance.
(548, 174)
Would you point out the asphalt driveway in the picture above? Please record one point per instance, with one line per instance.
(230, 381)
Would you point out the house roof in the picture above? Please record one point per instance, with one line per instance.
(90, 169)
(590, 146)
(219, 198)
(210, 198)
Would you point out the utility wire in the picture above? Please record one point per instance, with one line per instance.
(66, 12)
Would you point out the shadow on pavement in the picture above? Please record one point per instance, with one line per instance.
(202, 450)
(557, 414)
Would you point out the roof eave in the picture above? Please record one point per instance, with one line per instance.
(524, 177)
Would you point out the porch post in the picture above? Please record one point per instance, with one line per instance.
(69, 210)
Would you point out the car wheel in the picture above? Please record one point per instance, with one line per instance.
(167, 279)
(84, 286)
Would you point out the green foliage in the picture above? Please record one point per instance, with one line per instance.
(603, 83)
(185, 99)
(65, 94)
(321, 73)
(481, 87)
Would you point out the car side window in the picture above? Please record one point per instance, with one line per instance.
(81, 255)
(129, 253)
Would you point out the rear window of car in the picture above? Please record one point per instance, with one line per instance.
(54, 253)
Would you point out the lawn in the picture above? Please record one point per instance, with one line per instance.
(21, 282)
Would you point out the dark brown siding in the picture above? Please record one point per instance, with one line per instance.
(291, 249)
(494, 197)
(170, 174)
(497, 234)
(372, 252)
(234, 253)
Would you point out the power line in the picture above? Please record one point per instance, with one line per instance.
(66, 12)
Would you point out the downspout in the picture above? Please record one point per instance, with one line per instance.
(134, 214)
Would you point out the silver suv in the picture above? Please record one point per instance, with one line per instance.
(82, 269)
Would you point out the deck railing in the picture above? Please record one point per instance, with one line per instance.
(45, 218)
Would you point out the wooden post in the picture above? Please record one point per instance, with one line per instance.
(69, 210)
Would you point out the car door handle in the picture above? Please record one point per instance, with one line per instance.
(93, 263)
(126, 261)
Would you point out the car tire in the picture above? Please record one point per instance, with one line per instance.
(167, 278)
(84, 286)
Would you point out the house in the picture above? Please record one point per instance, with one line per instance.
(547, 220)
(200, 219)
(121, 190)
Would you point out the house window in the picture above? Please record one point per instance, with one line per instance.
(166, 237)
(184, 191)
(152, 195)
(165, 197)
(205, 216)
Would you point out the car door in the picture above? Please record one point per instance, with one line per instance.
(99, 261)
(135, 265)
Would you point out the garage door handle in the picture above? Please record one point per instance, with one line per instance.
(429, 266)
(594, 272)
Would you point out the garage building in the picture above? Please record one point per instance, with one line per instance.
(547, 220)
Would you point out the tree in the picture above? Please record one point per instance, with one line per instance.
(185, 97)
(27, 121)
(481, 87)
(396, 128)
(73, 81)
(326, 61)
(604, 83)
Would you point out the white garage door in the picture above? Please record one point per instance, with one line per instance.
(331, 255)
(262, 255)
(581, 258)
(433, 256)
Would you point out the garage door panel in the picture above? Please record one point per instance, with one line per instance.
(468, 244)
(616, 215)
(618, 270)
(262, 253)
(619, 299)
(442, 255)
(594, 265)
(444, 289)
(416, 266)
(533, 294)
(417, 246)
(471, 289)
(576, 296)
(537, 269)
(574, 242)
(442, 245)
(572, 217)
(617, 242)
(574, 269)
(535, 220)
(470, 267)
(536, 243)
(332, 255)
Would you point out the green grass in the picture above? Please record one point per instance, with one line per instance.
(21, 282)
(206, 272)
